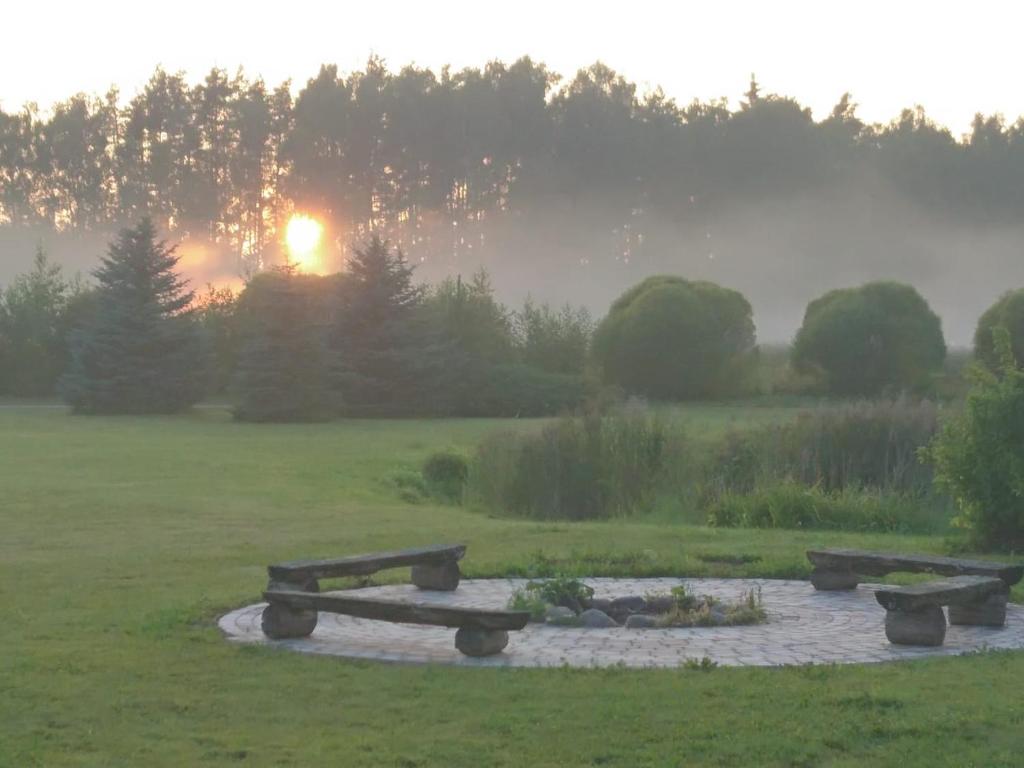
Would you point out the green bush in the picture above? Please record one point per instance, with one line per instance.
(576, 469)
(672, 339)
(868, 340)
(790, 504)
(979, 456)
(1007, 312)
(518, 390)
(445, 474)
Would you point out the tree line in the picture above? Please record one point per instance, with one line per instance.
(435, 161)
(372, 341)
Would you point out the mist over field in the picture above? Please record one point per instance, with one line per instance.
(780, 255)
(564, 189)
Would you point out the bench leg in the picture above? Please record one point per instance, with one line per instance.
(990, 613)
(925, 626)
(280, 622)
(830, 580)
(443, 578)
(480, 642)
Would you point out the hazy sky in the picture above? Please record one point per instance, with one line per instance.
(953, 58)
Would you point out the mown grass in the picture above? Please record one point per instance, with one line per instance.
(122, 540)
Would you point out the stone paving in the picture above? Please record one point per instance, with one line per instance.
(803, 627)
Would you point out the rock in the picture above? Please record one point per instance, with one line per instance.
(480, 642)
(595, 619)
(631, 604)
(280, 622)
(926, 626)
(560, 616)
(832, 580)
(444, 578)
(600, 603)
(660, 604)
(567, 601)
(990, 613)
(642, 621)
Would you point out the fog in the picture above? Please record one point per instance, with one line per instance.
(780, 254)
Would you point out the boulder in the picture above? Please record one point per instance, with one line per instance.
(444, 577)
(480, 642)
(926, 626)
(660, 604)
(642, 621)
(595, 619)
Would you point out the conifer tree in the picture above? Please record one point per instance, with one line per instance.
(282, 373)
(385, 352)
(140, 351)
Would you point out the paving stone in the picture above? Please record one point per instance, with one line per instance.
(804, 627)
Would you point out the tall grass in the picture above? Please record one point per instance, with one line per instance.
(864, 445)
(589, 468)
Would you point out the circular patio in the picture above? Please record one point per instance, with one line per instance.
(804, 626)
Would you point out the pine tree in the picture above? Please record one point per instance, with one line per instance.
(141, 351)
(384, 350)
(282, 373)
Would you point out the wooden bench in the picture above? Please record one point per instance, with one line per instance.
(913, 615)
(292, 614)
(435, 567)
(842, 568)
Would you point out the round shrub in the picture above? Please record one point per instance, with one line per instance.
(674, 339)
(1006, 313)
(863, 341)
(445, 473)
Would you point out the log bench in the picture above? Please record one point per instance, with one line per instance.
(435, 567)
(292, 614)
(913, 615)
(842, 568)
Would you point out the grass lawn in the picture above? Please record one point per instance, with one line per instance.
(123, 539)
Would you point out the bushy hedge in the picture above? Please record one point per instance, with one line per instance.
(979, 456)
(1008, 313)
(575, 469)
(519, 390)
(673, 339)
(872, 339)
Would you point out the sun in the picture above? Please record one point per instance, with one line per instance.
(302, 236)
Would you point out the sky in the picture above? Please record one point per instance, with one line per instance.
(955, 59)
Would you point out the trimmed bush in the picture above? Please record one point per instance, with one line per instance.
(672, 339)
(575, 469)
(979, 456)
(872, 339)
(1008, 313)
(445, 474)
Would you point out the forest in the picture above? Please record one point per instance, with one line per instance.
(585, 184)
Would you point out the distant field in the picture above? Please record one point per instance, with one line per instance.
(123, 539)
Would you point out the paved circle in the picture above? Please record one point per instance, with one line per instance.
(804, 627)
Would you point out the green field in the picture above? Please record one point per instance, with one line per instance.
(123, 539)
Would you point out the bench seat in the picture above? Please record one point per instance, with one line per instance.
(292, 614)
(914, 614)
(435, 567)
(841, 568)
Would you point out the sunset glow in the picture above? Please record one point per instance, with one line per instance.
(302, 237)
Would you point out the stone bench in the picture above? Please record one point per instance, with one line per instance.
(435, 567)
(291, 614)
(913, 615)
(842, 568)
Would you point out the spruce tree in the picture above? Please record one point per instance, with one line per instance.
(140, 351)
(282, 374)
(386, 359)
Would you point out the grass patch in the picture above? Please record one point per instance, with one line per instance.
(122, 540)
